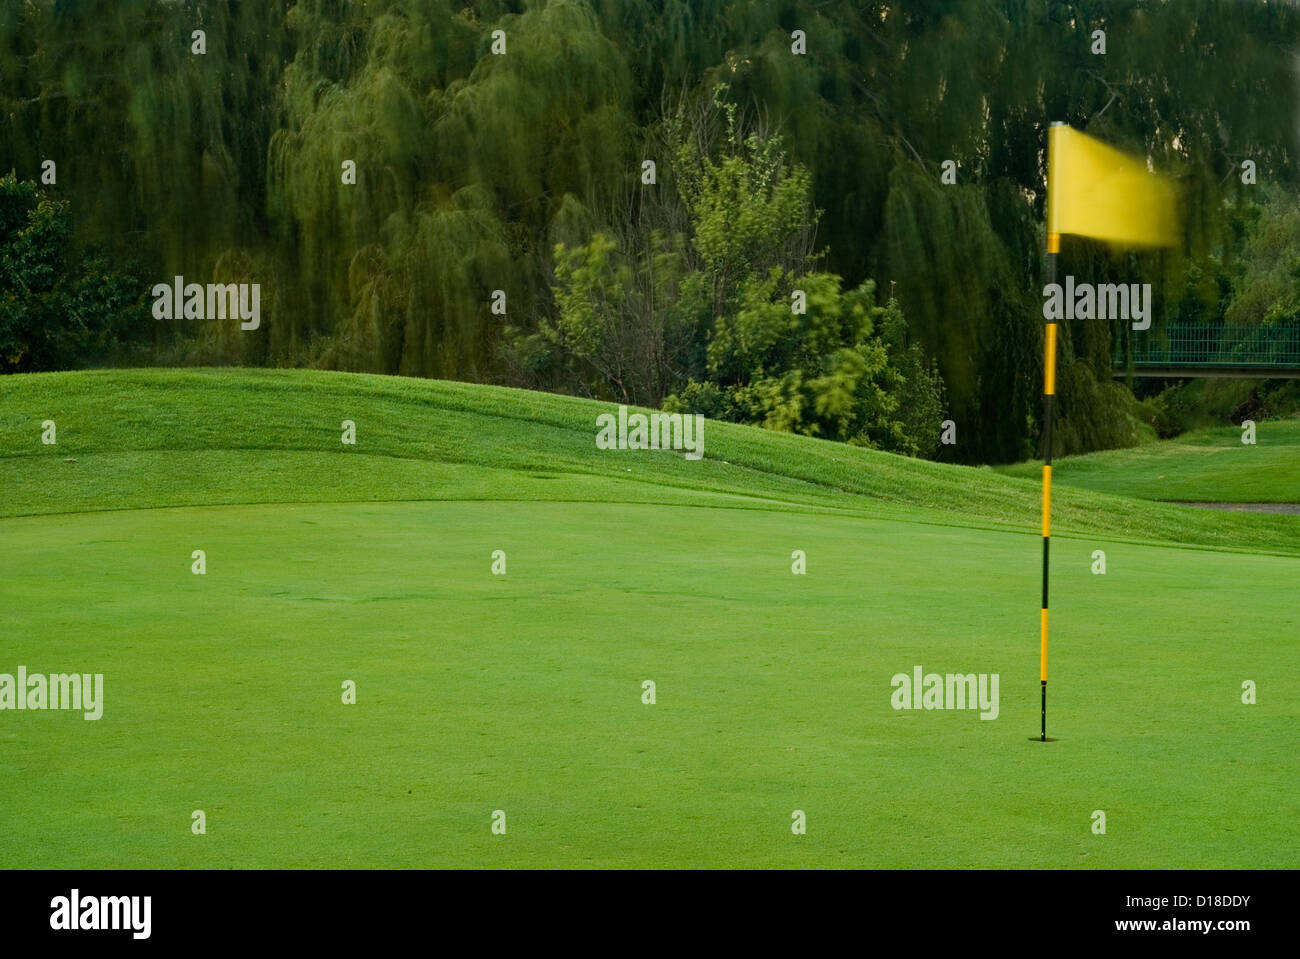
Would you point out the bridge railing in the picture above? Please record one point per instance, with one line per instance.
(1215, 345)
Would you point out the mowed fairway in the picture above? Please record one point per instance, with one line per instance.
(523, 692)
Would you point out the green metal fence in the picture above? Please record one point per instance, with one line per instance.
(1214, 345)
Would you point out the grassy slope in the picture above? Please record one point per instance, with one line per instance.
(1204, 465)
(171, 438)
(479, 692)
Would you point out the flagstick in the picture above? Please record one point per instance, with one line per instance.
(1136, 210)
(1049, 393)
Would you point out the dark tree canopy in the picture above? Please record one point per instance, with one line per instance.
(473, 165)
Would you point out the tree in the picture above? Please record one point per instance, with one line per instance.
(830, 371)
(474, 165)
(1266, 287)
(58, 308)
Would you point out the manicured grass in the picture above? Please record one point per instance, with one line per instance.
(523, 692)
(1205, 465)
(147, 438)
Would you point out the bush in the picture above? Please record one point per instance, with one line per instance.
(58, 309)
(839, 370)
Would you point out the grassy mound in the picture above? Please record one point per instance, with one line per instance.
(1205, 465)
(151, 438)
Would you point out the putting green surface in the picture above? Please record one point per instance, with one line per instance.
(523, 692)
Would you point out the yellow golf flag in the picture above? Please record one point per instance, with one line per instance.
(1095, 190)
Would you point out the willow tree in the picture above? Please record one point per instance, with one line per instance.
(472, 162)
(157, 134)
(463, 152)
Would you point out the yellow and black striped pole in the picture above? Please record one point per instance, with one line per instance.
(1096, 191)
(1049, 394)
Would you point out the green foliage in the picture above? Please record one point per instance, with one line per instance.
(58, 308)
(1095, 412)
(825, 372)
(783, 347)
(1209, 403)
(629, 322)
(1267, 282)
(749, 207)
(472, 167)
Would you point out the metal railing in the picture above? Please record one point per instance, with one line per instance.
(1206, 345)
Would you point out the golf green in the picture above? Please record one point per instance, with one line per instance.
(495, 593)
(522, 692)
